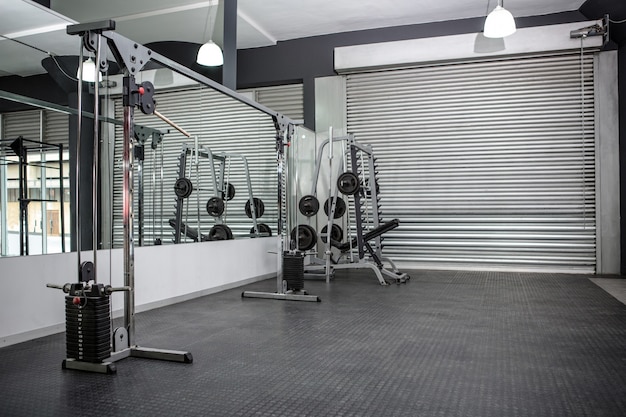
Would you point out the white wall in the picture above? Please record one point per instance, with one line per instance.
(163, 275)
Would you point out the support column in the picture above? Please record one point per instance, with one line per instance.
(229, 73)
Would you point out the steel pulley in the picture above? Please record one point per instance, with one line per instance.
(348, 183)
(215, 206)
(183, 187)
(309, 205)
(86, 272)
(305, 236)
(259, 208)
(336, 233)
(264, 230)
(340, 207)
(220, 232)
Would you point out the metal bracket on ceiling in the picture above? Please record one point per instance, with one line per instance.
(593, 30)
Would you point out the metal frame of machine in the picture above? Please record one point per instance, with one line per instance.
(132, 58)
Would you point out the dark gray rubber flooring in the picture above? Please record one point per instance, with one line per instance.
(445, 344)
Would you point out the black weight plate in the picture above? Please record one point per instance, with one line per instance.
(98, 302)
(90, 315)
(220, 232)
(264, 230)
(340, 208)
(348, 183)
(230, 194)
(313, 234)
(259, 208)
(336, 233)
(88, 306)
(306, 237)
(98, 333)
(309, 205)
(183, 187)
(86, 325)
(94, 346)
(215, 206)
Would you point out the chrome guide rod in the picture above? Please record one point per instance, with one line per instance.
(96, 157)
(79, 128)
(127, 219)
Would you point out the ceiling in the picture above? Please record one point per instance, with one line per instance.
(259, 23)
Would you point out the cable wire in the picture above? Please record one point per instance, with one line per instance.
(50, 54)
(583, 132)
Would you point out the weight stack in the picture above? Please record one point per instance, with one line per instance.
(293, 270)
(88, 324)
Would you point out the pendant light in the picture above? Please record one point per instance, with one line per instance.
(209, 54)
(499, 23)
(89, 71)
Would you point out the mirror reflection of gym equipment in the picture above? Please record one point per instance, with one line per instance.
(203, 173)
(46, 214)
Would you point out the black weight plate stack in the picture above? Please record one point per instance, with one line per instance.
(309, 205)
(293, 270)
(264, 230)
(259, 207)
(340, 208)
(215, 206)
(220, 232)
(88, 328)
(336, 233)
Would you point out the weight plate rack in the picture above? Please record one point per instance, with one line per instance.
(88, 324)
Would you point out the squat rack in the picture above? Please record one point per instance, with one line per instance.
(132, 58)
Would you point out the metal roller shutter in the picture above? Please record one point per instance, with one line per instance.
(486, 164)
(56, 128)
(221, 124)
(286, 99)
(24, 123)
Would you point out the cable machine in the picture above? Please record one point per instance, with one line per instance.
(290, 279)
(88, 330)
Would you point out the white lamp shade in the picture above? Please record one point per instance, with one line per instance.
(210, 55)
(499, 23)
(89, 71)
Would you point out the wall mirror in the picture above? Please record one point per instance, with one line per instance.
(223, 173)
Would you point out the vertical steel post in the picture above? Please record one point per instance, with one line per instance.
(62, 198)
(127, 219)
(96, 157)
(79, 124)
